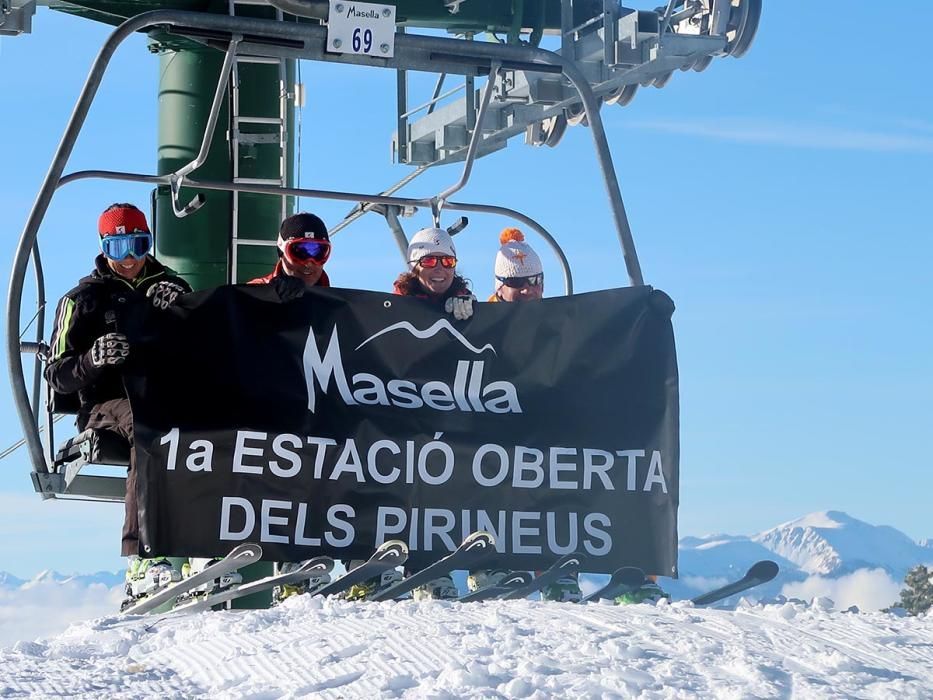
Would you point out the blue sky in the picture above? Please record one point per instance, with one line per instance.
(780, 199)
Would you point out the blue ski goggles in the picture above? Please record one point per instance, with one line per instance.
(120, 246)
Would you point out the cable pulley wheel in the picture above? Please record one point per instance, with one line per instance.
(621, 96)
(743, 21)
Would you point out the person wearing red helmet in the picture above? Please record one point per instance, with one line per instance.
(88, 349)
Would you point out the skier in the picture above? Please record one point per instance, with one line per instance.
(303, 248)
(518, 271)
(432, 262)
(88, 352)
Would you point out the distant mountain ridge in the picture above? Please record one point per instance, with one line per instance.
(47, 577)
(826, 543)
(833, 543)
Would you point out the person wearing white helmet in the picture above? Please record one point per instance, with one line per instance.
(432, 274)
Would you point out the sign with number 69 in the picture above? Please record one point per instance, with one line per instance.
(361, 28)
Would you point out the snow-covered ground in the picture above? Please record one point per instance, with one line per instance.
(515, 649)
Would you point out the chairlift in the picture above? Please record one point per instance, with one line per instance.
(606, 51)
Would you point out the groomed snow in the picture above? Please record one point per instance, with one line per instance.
(516, 649)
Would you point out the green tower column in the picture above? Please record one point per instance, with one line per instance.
(198, 246)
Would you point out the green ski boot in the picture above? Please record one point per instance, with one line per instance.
(649, 591)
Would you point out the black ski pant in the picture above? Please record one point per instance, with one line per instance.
(115, 415)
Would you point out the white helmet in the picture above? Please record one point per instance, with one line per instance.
(430, 241)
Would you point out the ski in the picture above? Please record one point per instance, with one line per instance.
(565, 566)
(498, 590)
(473, 550)
(238, 557)
(760, 572)
(390, 554)
(312, 571)
(623, 580)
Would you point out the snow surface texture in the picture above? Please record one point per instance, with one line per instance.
(515, 649)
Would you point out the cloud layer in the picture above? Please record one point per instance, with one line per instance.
(794, 135)
(49, 608)
(869, 589)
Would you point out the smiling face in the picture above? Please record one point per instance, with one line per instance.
(310, 273)
(129, 268)
(435, 280)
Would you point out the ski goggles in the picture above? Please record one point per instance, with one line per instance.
(118, 247)
(429, 261)
(520, 282)
(301, 251)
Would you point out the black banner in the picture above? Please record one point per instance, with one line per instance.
(339, 420)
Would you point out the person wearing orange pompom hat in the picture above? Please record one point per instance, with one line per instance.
(519, 274)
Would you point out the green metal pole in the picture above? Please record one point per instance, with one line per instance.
(198, 246)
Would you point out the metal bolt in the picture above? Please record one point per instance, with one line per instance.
(338, 7)
(337, 43)
(386, 12)
(384, 48)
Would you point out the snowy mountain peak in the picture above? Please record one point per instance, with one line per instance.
(833, 543)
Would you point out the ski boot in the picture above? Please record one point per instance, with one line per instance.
(442, 588)
(483, 578)
(196, 565)
(281, 593)
(649, 591)
(563, 590)
(363, 590)
(145, 576)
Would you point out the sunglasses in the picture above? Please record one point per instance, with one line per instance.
(430, 261)
(300, 251)
(519, 282)
(118, 247)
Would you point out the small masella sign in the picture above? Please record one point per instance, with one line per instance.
(466, 391)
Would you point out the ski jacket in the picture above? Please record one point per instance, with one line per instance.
(94, 308)
(324, 281)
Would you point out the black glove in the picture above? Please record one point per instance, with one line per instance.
(163, 294)
(111, 349)
(287, 287)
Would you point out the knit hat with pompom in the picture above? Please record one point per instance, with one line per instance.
(516, 258)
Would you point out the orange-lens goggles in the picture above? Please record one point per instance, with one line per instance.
(430, 261)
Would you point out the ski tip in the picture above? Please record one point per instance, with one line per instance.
(574, 560)
(392, 549)
(249, 551)
(480, 538)
(764, 570)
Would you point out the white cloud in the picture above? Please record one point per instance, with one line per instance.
(49, 608)
(792, 135)
(869, 589)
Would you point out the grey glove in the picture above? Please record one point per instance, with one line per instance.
(163, 294)
(287, 287)
(460, 307)
(110, 350)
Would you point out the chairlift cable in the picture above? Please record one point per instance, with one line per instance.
(22, 441)
(32, 320)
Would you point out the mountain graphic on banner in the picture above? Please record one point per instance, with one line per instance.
(442, 324)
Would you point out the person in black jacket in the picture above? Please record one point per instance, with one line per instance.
(88, 349)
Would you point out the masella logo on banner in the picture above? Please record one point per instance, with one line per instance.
(464, 391)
